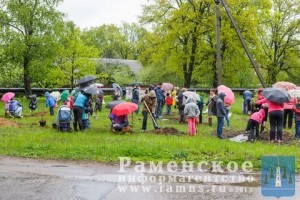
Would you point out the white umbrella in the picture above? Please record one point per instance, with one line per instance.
(97, 85)
(192, 95)
(294, 93)
(56, 95)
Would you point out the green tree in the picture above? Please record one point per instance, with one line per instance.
(75, 58)
(279, 37)
(27, 29)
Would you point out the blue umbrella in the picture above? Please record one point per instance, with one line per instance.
(276, 95)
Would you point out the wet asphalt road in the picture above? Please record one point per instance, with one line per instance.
(37, 179)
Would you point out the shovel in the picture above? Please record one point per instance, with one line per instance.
(154, 121)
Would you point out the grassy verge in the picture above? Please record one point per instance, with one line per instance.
(99, 144)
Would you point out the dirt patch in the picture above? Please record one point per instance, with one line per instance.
(4, 123)
(167, 131)
(37, 114)
(264, 136)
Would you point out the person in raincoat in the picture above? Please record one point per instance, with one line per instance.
(15, 108)
(78, 109)
(50, 102)
(169, 102)
(255, 120)
(149, 102)
(191, 111)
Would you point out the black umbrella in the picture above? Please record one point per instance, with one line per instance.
(112, 104)
(86, 80)
(92, 90)
(276, 95)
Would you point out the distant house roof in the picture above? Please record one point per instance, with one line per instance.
(134, 65)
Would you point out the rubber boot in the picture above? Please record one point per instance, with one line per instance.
(210, 121)
(75, 127)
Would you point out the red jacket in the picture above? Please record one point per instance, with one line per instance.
(271, 105)
(258, 116)
(169, 101)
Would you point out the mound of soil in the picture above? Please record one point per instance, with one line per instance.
(4, 122)
(167, 131)
(264, 136)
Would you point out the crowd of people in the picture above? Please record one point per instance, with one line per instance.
(189, 110)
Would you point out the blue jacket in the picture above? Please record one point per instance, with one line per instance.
(14, 105)
(50, 101)
(220, 105)
(159, 94)
(80, 101)
(247, 95)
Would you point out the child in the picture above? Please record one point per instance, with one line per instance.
(33, 103)
(191, 111)
(255, 120)
(296, 110)
(169, 102)
(50, 102)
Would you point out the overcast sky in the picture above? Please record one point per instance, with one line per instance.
(91, 13)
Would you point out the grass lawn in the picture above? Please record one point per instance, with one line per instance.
(28, 139)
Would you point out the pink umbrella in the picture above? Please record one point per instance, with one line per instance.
(285, 86)
(229, 98)
(167, 86)
(7, 96)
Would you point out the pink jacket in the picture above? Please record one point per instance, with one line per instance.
(272, 106)
(258, 116)
(290, 104)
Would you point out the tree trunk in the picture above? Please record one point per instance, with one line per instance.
(272, 75)
(187, 79)
(27, 82)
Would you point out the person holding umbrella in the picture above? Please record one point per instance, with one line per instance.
(275, 99)
(149, 101)
(296, 110)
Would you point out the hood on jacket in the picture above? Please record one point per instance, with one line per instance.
(189, 100)
(222, 95)
(47, 94)
(152, 93)
(262, 111)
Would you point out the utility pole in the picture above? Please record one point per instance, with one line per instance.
(218, 44)
(237, 30)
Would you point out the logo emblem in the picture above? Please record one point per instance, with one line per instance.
(278, 176)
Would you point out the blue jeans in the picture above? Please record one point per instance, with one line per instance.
(220, 126)
(136, 101)
(168, 110)
(158, 111)
(227, 118)
(297, 128)
(245, 106)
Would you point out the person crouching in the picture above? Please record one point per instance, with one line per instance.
(255, 120)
